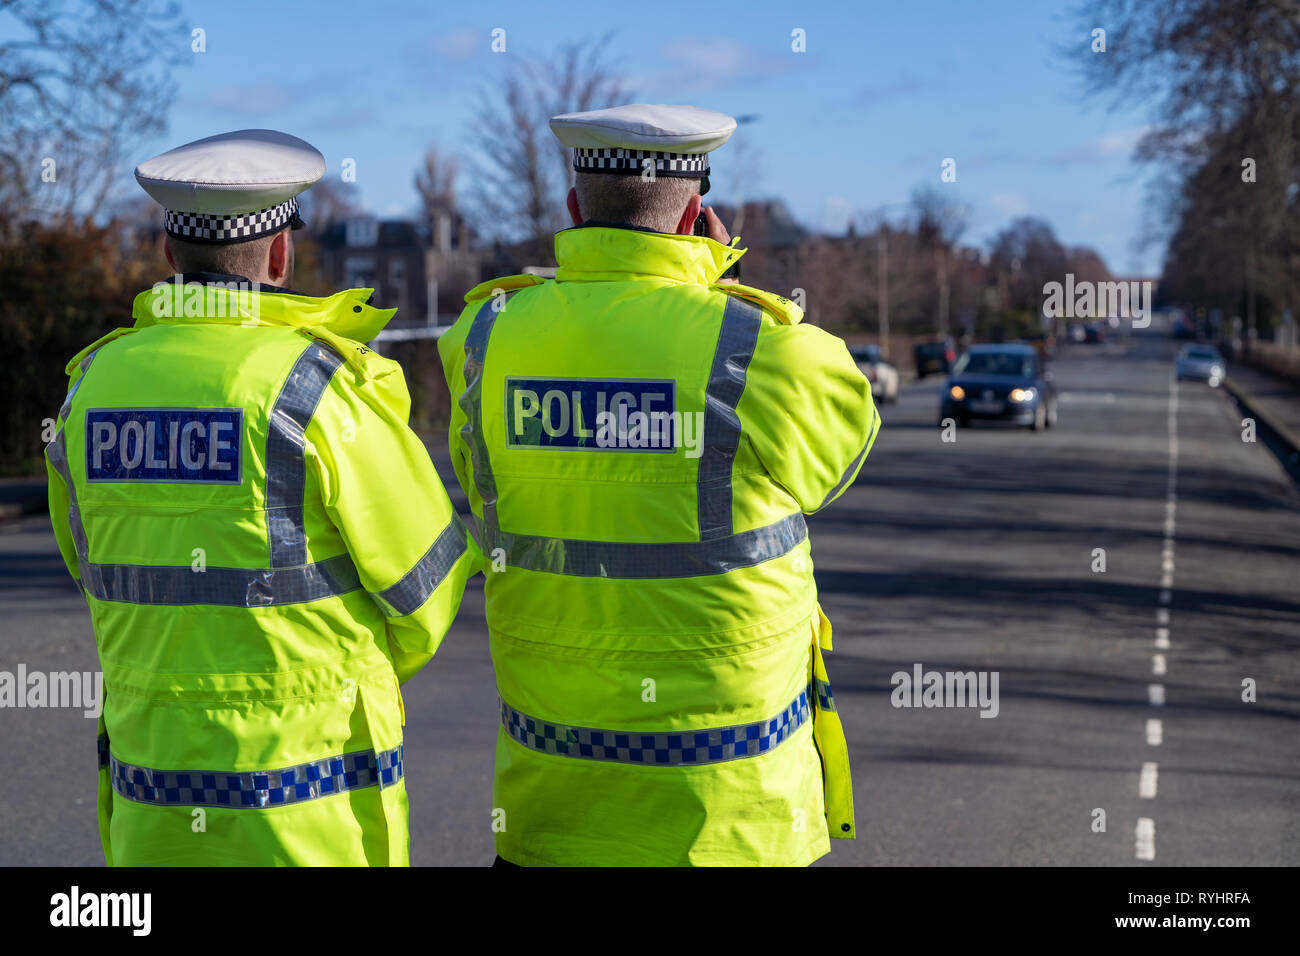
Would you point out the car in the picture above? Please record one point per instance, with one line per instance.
(1094, 333)
(1203, 363)
(934, 356)
(1004, 383)
(882, 373)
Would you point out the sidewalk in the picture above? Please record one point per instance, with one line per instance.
(1274, 398)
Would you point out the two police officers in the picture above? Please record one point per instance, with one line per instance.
(653, 618)
(265, 546)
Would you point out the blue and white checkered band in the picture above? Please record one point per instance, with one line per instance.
(265, 788)
(633, 162)
(680, 748)
(198, 227)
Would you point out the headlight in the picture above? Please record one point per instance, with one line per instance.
(957, 392)
(1216, 369)
(1022, 394)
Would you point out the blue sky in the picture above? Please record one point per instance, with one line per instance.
(883, 94)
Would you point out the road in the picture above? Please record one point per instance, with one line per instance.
(977, 554)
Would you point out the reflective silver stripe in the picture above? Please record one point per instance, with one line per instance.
(857, 462)
(286, 469)
(258, 789)
(676, 559)
(671, 749)
(736, 339)
(182, 585)
(717, 552)
(67, 402)
(57, 453)
(225, 587)
(418, 584)
(476, 342)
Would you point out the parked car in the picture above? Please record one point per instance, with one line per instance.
(1005, 383)
(882, 373)
(1202, 363)
(934, 356)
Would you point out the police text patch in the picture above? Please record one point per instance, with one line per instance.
(597, 414)
(177, 445)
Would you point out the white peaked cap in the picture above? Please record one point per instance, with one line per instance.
(233, 186)
(642, 126)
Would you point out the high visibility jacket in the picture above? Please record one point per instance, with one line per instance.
(652, 612)
(267, 551)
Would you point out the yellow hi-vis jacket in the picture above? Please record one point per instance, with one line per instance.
(267, 551)
(640, 445)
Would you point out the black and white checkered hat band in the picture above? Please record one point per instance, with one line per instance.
(249, 225)
(633, 162)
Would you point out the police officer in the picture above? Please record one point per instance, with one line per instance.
(640, 443)
(264, 544)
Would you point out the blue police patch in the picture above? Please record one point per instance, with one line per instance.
(176, 445)
(595, 414)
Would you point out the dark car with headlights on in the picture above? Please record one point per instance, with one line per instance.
(1004, 383)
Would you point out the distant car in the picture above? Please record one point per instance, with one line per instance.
(1000, 383)
(882, 373)
(934, 357)
(1094, 333)
(1181, 328)
(1203, 363)
(1077, 332)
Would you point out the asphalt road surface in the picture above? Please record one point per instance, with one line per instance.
(1119, 691)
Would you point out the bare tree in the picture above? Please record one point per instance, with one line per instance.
(940, 221)
(328, 202)
(1224, 79)
(520, 172)
(81, 84)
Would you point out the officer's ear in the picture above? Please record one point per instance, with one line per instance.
(279, 266)
(167, 254)
(572, 203)
(686, 225)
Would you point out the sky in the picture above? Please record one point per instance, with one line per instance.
(882, 95)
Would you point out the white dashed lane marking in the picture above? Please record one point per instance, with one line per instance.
(1145, 836)
(1147, 780)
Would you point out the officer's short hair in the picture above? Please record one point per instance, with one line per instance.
(236, 258)
(650, 203)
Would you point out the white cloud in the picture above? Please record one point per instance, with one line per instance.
(1106, 147)
(461, 43)
(1009, 204)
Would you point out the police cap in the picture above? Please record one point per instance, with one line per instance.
(627, 140)
(232, 187)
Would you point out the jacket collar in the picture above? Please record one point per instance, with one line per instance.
(590, 253)
(211, 298)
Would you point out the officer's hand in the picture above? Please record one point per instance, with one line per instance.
(717, 231)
